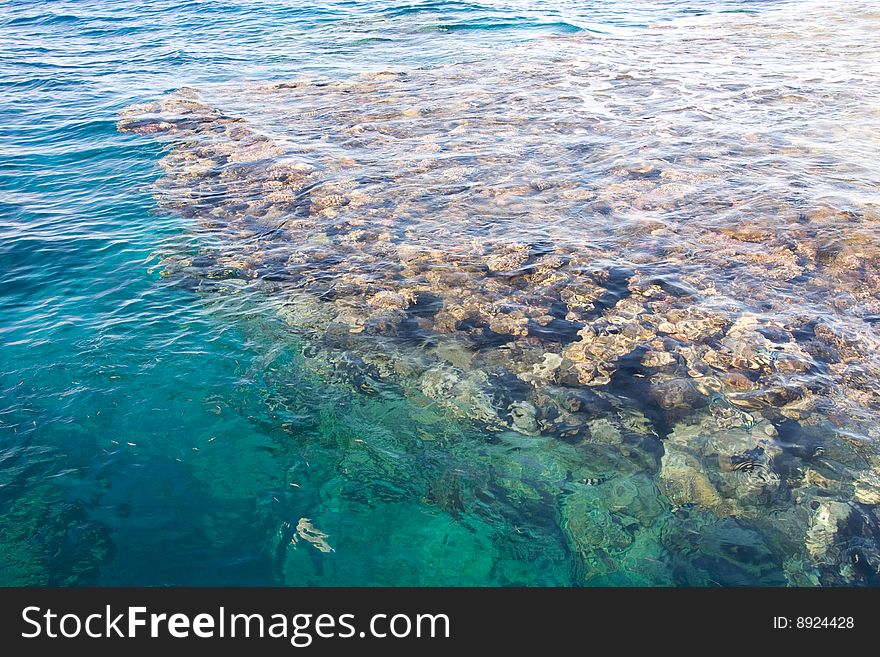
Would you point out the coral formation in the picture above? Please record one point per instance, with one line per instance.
(724, 343)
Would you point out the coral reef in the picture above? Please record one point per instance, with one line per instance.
(724, 342)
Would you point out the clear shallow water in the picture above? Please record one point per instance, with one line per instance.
(567, 295)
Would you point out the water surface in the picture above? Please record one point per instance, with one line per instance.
(440, 293)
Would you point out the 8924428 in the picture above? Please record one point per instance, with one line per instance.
(824, 622)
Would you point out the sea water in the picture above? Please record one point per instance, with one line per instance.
(441, 293)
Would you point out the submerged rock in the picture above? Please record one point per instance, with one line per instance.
(842, 540)
(684, 483)
(693, 333)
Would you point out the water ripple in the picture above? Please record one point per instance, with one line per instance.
(188, 368)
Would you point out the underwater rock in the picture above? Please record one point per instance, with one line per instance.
(745, 233)
(738, 555)
(675, 393)
(621, 309)
(824, 525)
(658, 359)
(47, 542)
(728, 469)
(867, 489)
(847, 347)
(546, 370)
(591, 529)
(778, 396)
(480, 293)
(736, 381)
(842, 541)
(600, 346)
(523, 416)
(393, 300)
(684, 483)
(466, 395)
(635, 501)
(603, 431)
(692, 324)
(512, 258)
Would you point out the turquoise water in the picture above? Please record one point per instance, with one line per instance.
(165, 422)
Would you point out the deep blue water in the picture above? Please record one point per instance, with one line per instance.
(152, 435)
